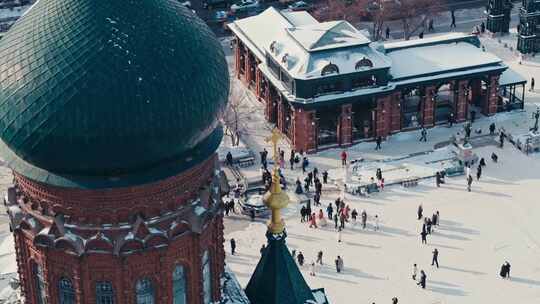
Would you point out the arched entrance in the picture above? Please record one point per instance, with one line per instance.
(411, 108)
(327, 125)
(362, 119)
(444, 103)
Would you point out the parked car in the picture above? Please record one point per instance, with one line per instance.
(244, 5)
(300, 6)
(221, 16)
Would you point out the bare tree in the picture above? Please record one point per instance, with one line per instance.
(349, 10)
(233, 112)
(414, 15)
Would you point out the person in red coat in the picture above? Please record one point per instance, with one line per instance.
(343, 158)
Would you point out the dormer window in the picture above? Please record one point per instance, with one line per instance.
(330, 69)
(364, 62)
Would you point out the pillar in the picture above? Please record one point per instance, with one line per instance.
(270, 99)
(237, 47)
(305, 130)
(490, 104)
(428, 107)
(461, 101)
(383, 116)
(395, 112)
(345, 125)
(281, 113)
(247, 66)
(258, 83)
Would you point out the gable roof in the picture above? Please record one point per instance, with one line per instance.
(327, 35)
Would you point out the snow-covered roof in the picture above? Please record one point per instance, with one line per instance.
(299, 18)
(327, 35)
(444, 38)
(509, 77)
(438, 58)
(259, 31)
(303, 46)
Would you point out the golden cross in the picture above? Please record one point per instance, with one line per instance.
(274, 139)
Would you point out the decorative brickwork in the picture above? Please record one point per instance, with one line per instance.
(345, 125)
(384, 116)
(395, 112)
(305, 136)
(490, 106)
(119, 235)
(428, 106)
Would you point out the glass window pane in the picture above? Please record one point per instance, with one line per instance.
(179, 285)
(104, 293)
(144, 291)
(66, 292)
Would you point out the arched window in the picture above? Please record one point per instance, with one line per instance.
(330, 69)
(66, 292)
(364, 62)
(207, 278)
(104, 293)
(39, 281)
(179, 285)
(144, 291)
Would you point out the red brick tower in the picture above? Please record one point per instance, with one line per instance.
(109, 117)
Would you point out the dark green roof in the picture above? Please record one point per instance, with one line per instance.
(277, 279)
(92, 92)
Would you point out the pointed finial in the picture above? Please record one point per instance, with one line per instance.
(275, 199)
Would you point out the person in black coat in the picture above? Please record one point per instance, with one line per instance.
(435, 259)
(478, 172)
(423, 278)
(233, 246)
(300, 258)
(378, 141)
(325, 177)
(424, 236)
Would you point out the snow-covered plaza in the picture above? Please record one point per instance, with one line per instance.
(479, 230)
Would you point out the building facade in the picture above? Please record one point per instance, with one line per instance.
(327, 85)
(117, 187)
(529, 27)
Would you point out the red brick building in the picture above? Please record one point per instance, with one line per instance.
(117, 188)
(327, 85)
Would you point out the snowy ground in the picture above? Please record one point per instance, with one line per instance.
(497, 221)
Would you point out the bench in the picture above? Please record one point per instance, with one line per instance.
(410, 182)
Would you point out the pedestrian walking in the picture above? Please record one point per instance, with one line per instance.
(414, 272)
(469, 183)
(421, 35)
(438, 179)
(423, 134)
(420, 211)
(478, 172)
(319, 257)
(312, 269)
(501, 139)
(430, 26)
(343, 158)
(300, 258)
(494, 157)
(423, 234)
(423, 279)
(467, 171)
(387, 33)
(325, 177)
(435, 259)
(394, 300)
(329, 211)
(378, 141)
(492, 129)
(364, 219)
(531, 88)
(339, 264)
(376, 226)
(505, 270)
(482, 27)
(233, 246)
(336, 219)
(263, 248)
(453, 17)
